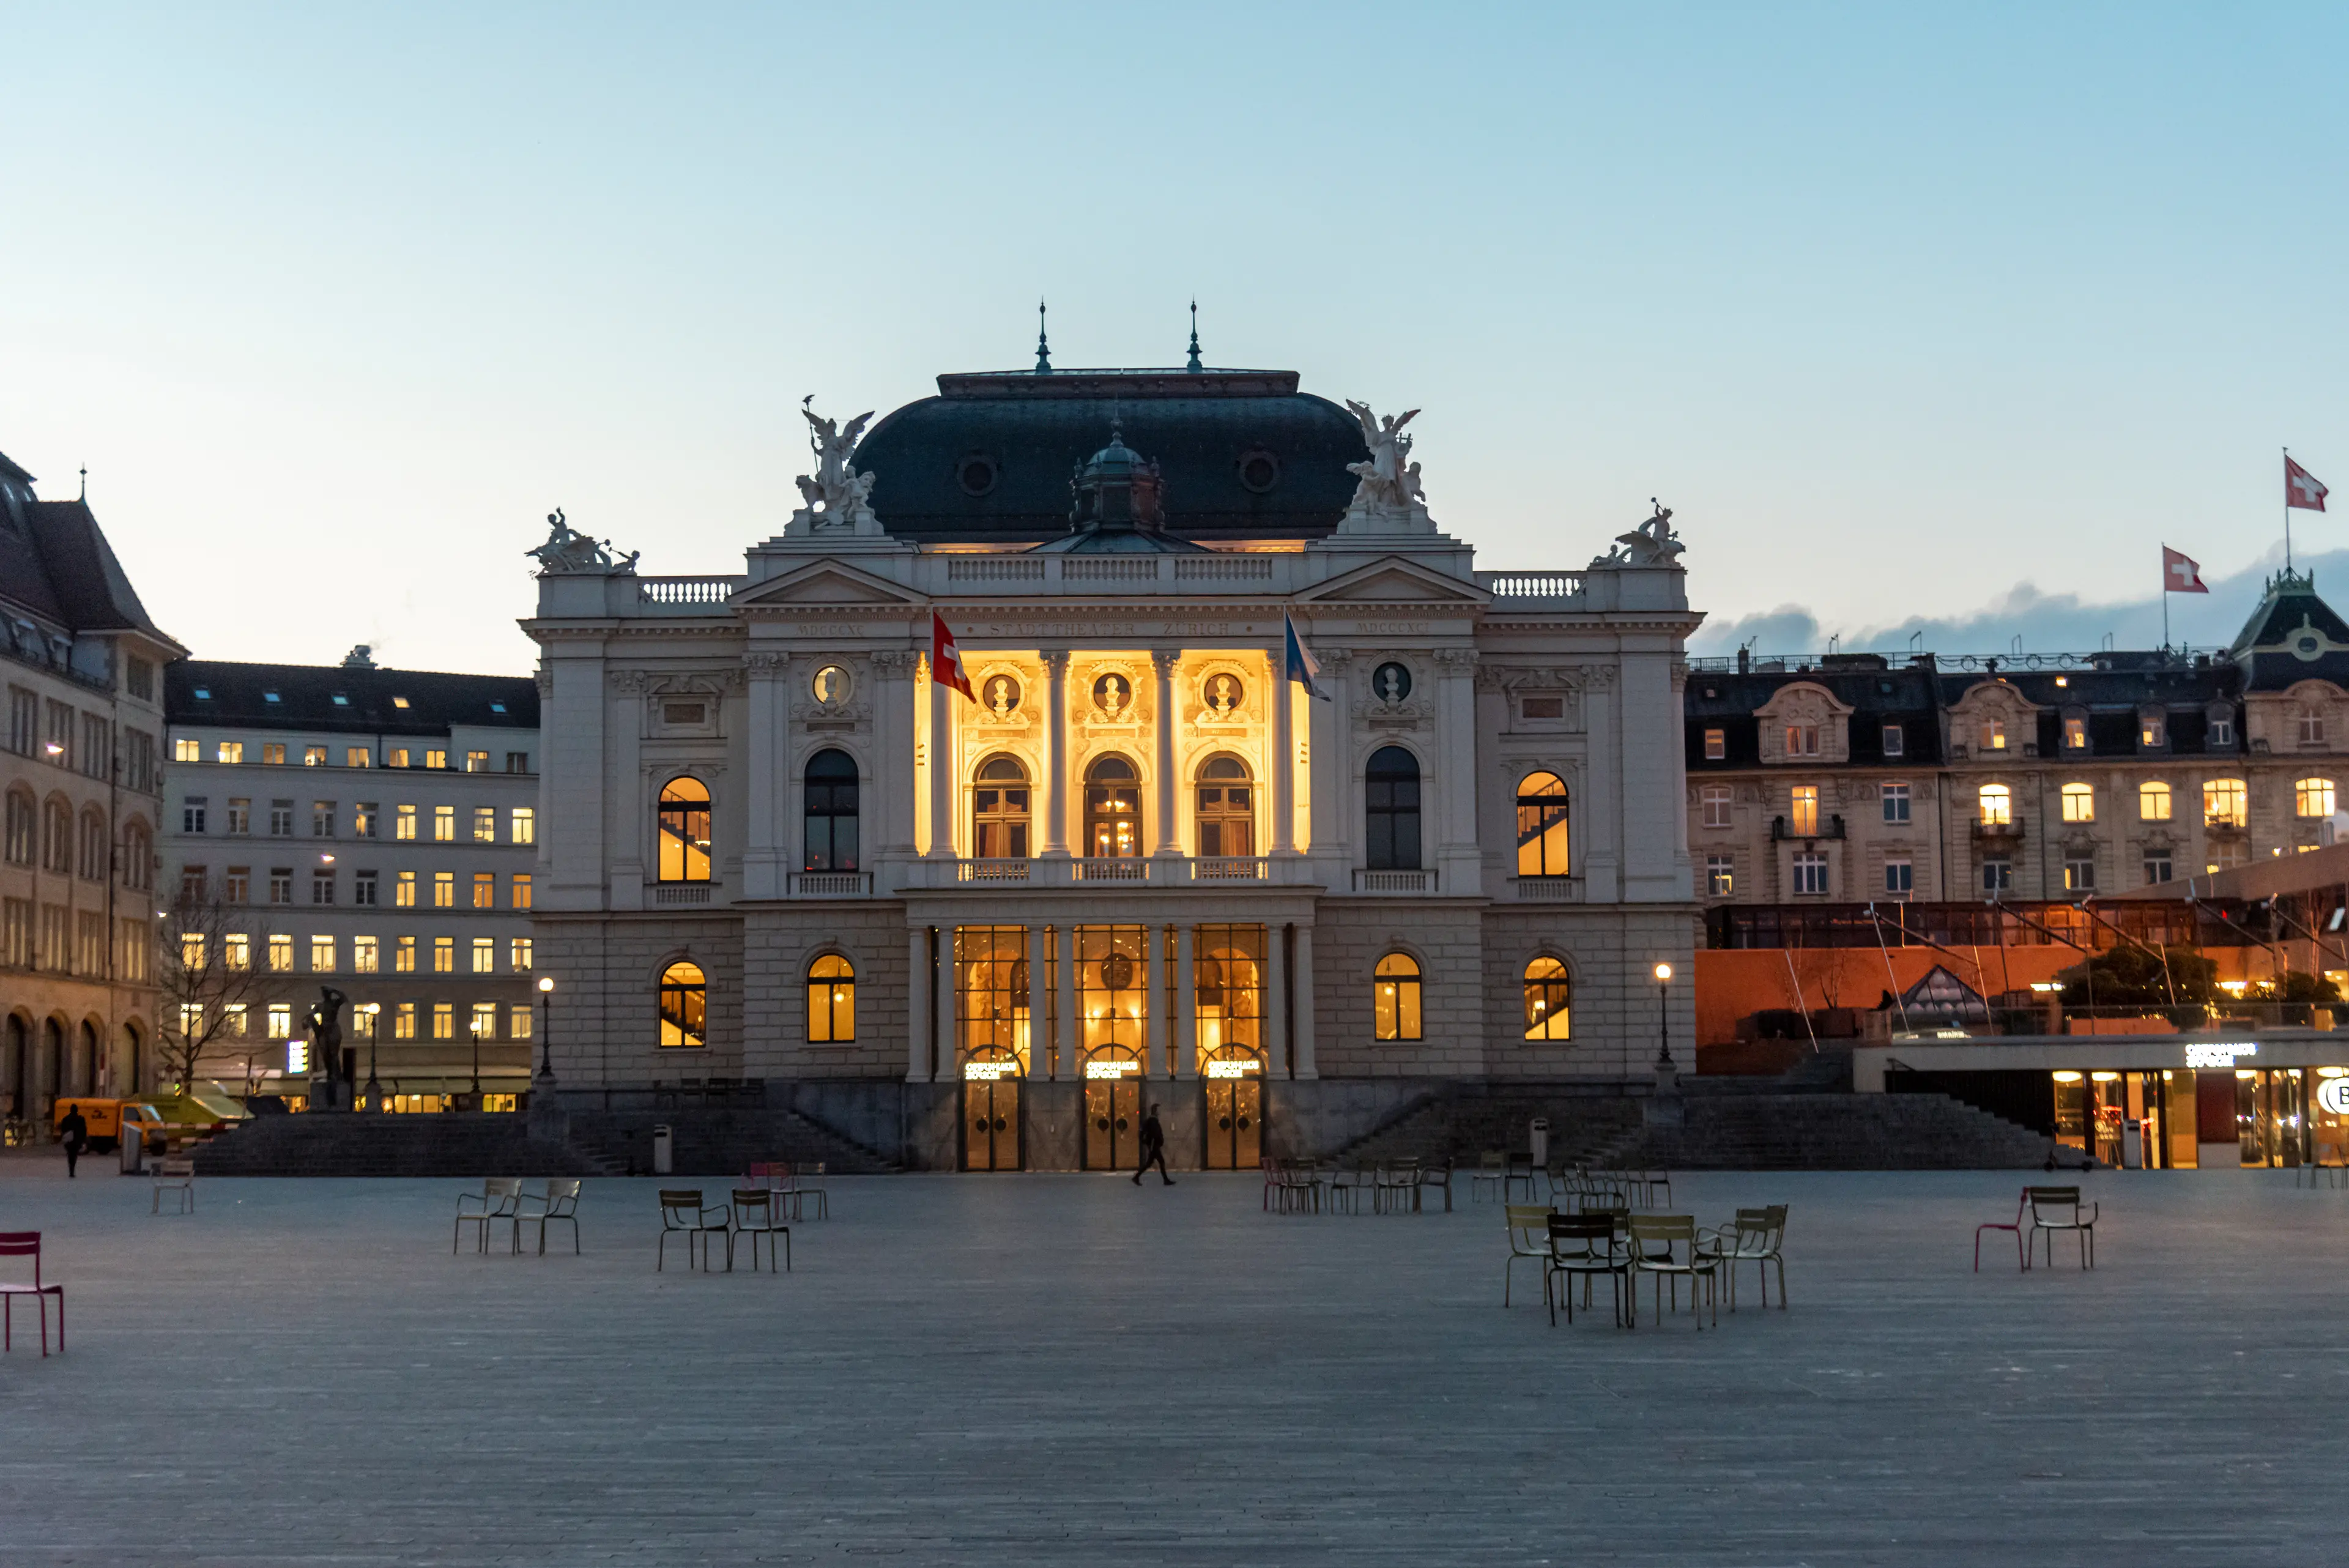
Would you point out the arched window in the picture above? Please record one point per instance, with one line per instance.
(1391, 811)
(1112, 810)
(830, 818)
(2312, 798)
(1227, 809)
(137, 857)
(93, 848)
(998, 811)
(56, 836)
(22, 819)
(685, 831)
(1547, 993)
(684, 1005)
(1394, 998)
(134, 1057)
(2079, 803)
(1541, 825)
(831, 1001)
(1997, 806)
(2153, 800)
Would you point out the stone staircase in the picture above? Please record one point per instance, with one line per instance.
(326, 1144)
(717, 1142)
(1796, 1131)
(1463, 1122)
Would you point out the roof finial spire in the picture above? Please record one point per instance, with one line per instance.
(1194, 364)
(1043, 350)
(85, 481)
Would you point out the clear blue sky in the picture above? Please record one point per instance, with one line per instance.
(1900, 308)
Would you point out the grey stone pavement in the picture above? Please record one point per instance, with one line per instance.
(1061, 1369)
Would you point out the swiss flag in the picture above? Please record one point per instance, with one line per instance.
(2302, 488)
(2181, 575)
(946, 659)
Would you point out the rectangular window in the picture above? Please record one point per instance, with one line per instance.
(444, 889)
(322, 886)
(1716, 745)
(2222, 732)
(485, 889)
(1993, 734)
(444, 825)
(444, 1021)
(233, 1019)
(518, 1020)
(2076, 734)
(363, 955)
(520, 948)
(2157, 869)
(2312, 798)
(484, 1021)
(280, 884)
(281, 953)
(476, 762)
(403, 1021)
(485, 824)
(191, 884)
(517, 762)
(229, 752)
(1714, 801)
(403, 955)
(2312, 728)
(1802, 820)
(314, 756)
(522, 892)
(1900, 878)
(403, 822)
(524, 819)
(403, 890)
(2079, 876)
(238, 888)
(1720, 876)
(273, 754)
(2153, 731)
(1810, 872)
(1997, 876)
(184, 750)
(192, 815)
(236, 948)
(239, 813)
(322, 955)
(1895, 743)
(281, 1020)
(1896, 802)
(2153, 800)
(2225, 804)
(2079, 803)
(433, 759)
(444, 955)
(396, 758)
(321, 819)
(1802, 739)
(356, 756)
(363, 816)
(363, 885)
(281, 820)
(485, 955)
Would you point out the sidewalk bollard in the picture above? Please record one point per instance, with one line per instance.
(1540, 1143)
(662, 1143)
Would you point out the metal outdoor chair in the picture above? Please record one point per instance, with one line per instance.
(27, 1244)
(2055, 1209)
(1581, 1246)
(1665, 1245)
(558, 1206)
(2023, 1254)
(1436, 1177)
(683, 1215)
(1519, 1174)
(1394, 1188)
(754, 1216)
(1347, 1183)
(789, 1182)
(1528, 1238)
(177, 1177)
(1492, 1168)
(1754, 1237)
(500, 1198)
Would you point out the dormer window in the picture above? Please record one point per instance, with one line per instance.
(269, 697)
(204, 693)
(341, 701)
(2311, 727)
(399, 701)
(2076, 734)
(1993, 734)
(1802, 739)
(497, 707)
(2223, 730)
(2152, 731)
(1895, 743)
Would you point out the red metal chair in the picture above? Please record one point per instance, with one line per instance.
(2021, 1255)
(27, 1244)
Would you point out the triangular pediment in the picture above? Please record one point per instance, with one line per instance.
(825, 583)
(1394, 579)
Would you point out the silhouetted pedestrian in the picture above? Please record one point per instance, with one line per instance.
(1153, 1148)
(73, 1132)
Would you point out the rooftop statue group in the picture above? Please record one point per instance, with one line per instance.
(835, 499)
(569, 553)
(1389, 491)
(1651, 544)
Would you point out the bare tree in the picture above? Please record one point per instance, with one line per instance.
(217, 988)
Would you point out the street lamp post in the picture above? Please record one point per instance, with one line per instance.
(373, 1011)
(546, 1030)
(1663, 1018)
(475, 1030)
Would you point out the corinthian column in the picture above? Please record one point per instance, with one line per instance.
(1056, 753)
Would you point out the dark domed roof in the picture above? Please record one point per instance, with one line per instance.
(1243, 455)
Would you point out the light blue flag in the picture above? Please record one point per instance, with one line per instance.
(1302, 666)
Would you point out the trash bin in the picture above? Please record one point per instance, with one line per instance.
(662, 1143)
(1540, 1143)
(2132, 1144)
(133, 1140)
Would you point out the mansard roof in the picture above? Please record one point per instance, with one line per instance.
(56, 567)
(219, 694)
(2292, 636)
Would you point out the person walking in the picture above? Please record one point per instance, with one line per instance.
(73, 1132)
(1153, 1148)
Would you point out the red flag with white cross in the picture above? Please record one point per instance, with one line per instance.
(2181, 575)
(2302, 488)
(946, 659)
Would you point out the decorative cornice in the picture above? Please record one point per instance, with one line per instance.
(766, 664)
(896, 663)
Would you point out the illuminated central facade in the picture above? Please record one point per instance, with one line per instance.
(1139, 863)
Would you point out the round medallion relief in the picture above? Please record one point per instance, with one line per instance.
(1222, 694)
(999, 694)
(830, 686)
(1390, 682)
(1114, 696)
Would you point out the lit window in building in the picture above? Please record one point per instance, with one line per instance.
(444, 955)
(403, 1021)
(403, 955)
(444, 1021)
(524, 823)
(1112, 810)
(1226, 819)
(2153, 800)
(2076, 734)
(828, 820)
(2153, 730)
(485, 955)
(684, 1002)
(1993, 734)
(1712, 805)
(403, 822)
(1394, 998)
(521, 889)
(322, 955)
(363, 955)
(1547, 993)
(1802, 739)
(832, 1000)
(2226, 803)
(281, 953)
(1541, 826)
(444, 825)
(519, 953)
(684, 824)
(518, 1022)
(2079, 802)
(1720, 876)
(485, 889)
(1997, 806)
(281, 1020)
(444, 889)
(483, 1025)
(998, 811)
(485, 824)
(2312, 798)
(1716, 745)
(1802, 814)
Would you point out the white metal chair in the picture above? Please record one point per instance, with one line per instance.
(500, 1198)
(177, 1177)
(558, 1206)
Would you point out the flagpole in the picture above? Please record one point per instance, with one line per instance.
(2287, 511)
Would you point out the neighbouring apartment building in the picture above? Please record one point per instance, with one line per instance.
(1857, 778)
(81, 665)
(1138, 861)
(369, 830)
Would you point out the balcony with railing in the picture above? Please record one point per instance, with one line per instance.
(1805, 828)
(2008, 830)
(1549, 889)
(1128, 871)
(1387, 881)
(829, 884)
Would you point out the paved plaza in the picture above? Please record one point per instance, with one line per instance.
(1061, 1369)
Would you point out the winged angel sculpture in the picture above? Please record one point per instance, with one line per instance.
(835, 497)
(1390, 484)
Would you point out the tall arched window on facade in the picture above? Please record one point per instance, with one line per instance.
(56, 838)
(1541, 825)
(831, 1001)
(1390, 810)
(1997, 804)
(23, 827)
(685, 831)
(684, 1005)
(1549, 993)
(1227, 809)
(93, 848)
(1394, 998)
(998, 811)
(1112, 810)
(137, 857)
(830, 818)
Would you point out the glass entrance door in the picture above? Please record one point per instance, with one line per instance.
(1235, 1113)
(1113, 1111)
(990, 1114)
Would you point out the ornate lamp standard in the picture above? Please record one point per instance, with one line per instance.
(473, 1103)
(373, 1011)
(1663, 1018)
(546, 1031)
